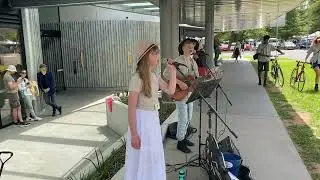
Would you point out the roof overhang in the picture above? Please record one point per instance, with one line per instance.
(229, 15)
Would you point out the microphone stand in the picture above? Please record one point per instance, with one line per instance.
(209, 105)
(219, 86)
(210, 140)
(216, 103)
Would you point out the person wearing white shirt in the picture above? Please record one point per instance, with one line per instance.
(315, 60)
(27, 96)
(264, 50)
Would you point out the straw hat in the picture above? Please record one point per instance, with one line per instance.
(12, 68)
(143, 47)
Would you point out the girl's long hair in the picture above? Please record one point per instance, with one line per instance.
(144, 71)
(316, 40)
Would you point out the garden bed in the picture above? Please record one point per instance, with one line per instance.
(115, 162)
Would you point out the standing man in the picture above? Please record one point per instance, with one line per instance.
(217, 52)
(264, 50)
(13, 96)
(48, 87)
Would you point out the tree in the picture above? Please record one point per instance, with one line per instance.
(314, 15)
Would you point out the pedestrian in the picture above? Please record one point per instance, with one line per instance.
(47, 85)
(217, 51)
(27, 96)
(144, 149)
(264, 53)
(12, 94)
(315, 61)
(237, 52)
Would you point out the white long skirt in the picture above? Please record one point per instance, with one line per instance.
(148, 162)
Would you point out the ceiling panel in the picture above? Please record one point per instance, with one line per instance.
(236, 14)
(228, 14)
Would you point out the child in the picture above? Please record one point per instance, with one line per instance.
(27, 96)
(144, 154)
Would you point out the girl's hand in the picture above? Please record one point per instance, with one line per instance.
(171, 68)
(135, 142)
(183, 86)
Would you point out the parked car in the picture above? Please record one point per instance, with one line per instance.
(232, 46)
(305, 43)
(224, 47)
(287, 45)
(275, 42)
(247, 47)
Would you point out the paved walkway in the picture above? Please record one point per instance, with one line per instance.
(263, 140)
(46, 150)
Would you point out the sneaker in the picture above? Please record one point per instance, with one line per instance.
(60, 110)
(24, 123)
(29, 119)
(37, 118)
(17, 123)
(316, 88)
(183, 147)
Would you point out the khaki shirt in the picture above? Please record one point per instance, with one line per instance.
(6, 79)
(145, 103)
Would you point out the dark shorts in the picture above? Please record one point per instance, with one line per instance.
(14, 100)
(263, 66)
(314, 65)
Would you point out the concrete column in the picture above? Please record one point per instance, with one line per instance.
(32, 43)
(169, 28)
(32, 40)
(209, 17)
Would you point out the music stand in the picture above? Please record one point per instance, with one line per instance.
(203, 90)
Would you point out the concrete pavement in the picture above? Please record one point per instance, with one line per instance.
(263, 140)
(46, 150)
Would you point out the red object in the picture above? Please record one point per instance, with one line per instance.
(109, 103)
(203, 71)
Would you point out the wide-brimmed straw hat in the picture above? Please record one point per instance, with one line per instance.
(143, 47)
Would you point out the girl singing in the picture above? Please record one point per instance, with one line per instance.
(144, 154)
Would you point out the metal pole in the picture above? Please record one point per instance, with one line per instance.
(209, 12)
(277, 33)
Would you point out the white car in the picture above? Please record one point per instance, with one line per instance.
(274, 42)
(288, 45)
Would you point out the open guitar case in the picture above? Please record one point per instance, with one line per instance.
(227, 146)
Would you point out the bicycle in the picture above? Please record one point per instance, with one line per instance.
(298, 75)
(9, 156)
(276, 71)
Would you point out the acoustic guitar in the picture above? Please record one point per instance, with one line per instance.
(180, 94)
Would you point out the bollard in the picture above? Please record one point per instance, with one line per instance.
(109, 104)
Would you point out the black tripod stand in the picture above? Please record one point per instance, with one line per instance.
(213, 156)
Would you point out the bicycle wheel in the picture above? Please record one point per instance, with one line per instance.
(301, 81)
(280, 79)
(273, 73)
(293, 77)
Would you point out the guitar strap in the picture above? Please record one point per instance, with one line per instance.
(192, 67)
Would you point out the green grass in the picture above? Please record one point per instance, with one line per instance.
(115, 162)
(288, 102)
